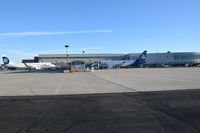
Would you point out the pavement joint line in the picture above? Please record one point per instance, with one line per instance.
(132, 90)
(85, 83)
(30, 88)
(60, 85)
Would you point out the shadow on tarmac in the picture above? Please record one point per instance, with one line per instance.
(146, 112)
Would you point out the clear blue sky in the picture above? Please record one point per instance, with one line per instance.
(30, 27)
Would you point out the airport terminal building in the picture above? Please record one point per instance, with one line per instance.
(173, 59)
(58, 58)
(152, 59)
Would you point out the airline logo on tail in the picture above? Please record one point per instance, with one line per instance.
(143, 57)
(5, 60)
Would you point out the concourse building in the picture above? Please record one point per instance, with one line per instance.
(171, 59)
(61, 59)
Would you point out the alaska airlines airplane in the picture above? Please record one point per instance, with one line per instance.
(36, 66)
(124, 63)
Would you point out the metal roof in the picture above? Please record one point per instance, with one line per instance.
(79, 55)
(111, 55)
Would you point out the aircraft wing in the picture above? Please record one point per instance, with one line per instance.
(29, 67)
(126, 64)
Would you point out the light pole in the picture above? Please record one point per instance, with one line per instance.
(67, 55)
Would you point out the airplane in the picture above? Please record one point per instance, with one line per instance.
(124, 63)
(27, 66)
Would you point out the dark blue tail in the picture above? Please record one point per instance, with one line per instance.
(141, 59)
(5, 60)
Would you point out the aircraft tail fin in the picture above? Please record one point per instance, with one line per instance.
(5, 60)
(141, 59)
(143, 56)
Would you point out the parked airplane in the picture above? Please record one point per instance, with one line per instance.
(28, 66)
(124, 63)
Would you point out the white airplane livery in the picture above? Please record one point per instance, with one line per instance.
(125, 63)
(36, 66)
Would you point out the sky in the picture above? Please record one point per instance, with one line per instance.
(32, 27)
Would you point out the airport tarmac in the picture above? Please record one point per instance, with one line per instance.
(102, 81)
(105, 101)
(147, 112)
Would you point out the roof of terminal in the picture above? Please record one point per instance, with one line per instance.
(111, 55)
(78, 55)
